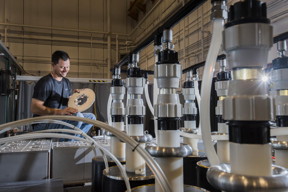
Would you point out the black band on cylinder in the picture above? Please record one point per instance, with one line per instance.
(135, 119)
(189, 117)
(134, 72)
(118, 118)
(282, 121)
(188, 84)
(220, 119)
(117, 82)
(169, 123)
(249, 132)
(167, 56)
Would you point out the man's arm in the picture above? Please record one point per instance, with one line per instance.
(37, 107)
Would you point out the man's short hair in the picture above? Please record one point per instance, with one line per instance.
(59, 55)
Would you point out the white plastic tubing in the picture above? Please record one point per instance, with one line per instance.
(155, 168)
(148, 100)
(109, 103)
(77, 131)
(206, 91)
(67, 131)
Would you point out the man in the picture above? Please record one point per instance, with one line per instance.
(51, 94)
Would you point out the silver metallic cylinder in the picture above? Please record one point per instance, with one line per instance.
(247, 44)
(167, 36)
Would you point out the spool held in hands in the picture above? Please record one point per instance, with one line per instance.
(82, 100)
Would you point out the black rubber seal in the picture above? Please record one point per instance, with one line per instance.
(167, 56)
(282, 121)
(249, 11)
(188, 84)
(280, 63)
(220, 119)
(118, 118)
(249, 132)
(169, 123)
(223, 76)
(212, 1)
(135, 119)
(117, 82)
(134, 72)
(189, 117)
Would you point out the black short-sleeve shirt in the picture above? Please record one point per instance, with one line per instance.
(55, 94)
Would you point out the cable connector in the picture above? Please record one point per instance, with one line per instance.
(219, 10)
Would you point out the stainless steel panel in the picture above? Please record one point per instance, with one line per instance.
(72, 162)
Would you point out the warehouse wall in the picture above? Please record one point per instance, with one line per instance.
(33, 29)
(81, 28)
(191, 37)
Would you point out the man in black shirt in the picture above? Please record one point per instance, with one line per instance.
(51, 95)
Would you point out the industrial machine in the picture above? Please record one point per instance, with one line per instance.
(236, 157)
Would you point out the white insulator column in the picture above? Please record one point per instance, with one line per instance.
(223, 149)
(173, 166)
(117, 147)
(242, 165)
(134, 161)
(281, 158)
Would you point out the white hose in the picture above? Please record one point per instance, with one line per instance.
(148, 100)
(66, 130)
(213, 137)
(206, 91)
(109, 103)
(43, 134)
(155, 168)
(80, 132)
(39, 135)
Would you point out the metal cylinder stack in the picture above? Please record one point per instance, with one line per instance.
(247, 38)
(221, 86)
(168, 111)
(117, 91)
(135, 112)
(279, 93)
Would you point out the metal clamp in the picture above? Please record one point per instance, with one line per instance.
(220, 176)
(183, 151)
(188, 130)
(280, 145)
(142, 139)
(218, 133)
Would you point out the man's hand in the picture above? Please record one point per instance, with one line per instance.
(76, 90)
(37, 107)
(68, 111)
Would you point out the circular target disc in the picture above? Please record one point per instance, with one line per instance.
(82, 100)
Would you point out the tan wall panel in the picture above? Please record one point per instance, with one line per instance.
(37, 12)
(2, 11)
(65, 13)
(34, 50)
(14, 11)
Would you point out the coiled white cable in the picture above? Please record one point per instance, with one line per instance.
(148, 100)
(155, 168)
